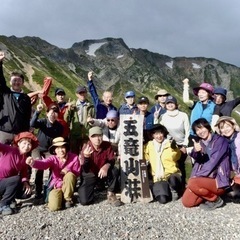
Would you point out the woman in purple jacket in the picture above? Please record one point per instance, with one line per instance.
(228, 128)
(65, 168)
(211, 171)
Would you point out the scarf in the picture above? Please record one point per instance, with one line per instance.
(159, 149)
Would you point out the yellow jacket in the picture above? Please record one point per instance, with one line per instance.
(169, 157)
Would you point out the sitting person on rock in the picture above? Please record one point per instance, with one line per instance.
(162, 156)
(14, 180)
(65, 168)
(98, 160)
(211, 171)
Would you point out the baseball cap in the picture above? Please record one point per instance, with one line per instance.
(81, 89)
(171, 99)
(95, 131)
(129, 94)
(221, 91)
(59, 90)
(143, 100)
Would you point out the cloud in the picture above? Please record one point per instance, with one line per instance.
(175, 28)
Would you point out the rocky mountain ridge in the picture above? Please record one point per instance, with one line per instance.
(116, 67)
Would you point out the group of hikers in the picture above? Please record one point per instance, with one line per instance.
(79, 142)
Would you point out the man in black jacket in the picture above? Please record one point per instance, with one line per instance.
(15, 106)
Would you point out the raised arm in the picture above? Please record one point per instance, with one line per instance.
(92, 90)
(186, 99)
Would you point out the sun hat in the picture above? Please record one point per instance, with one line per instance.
(221, 91)
(112, 114)
(171, 99)
(29, 135)
(206, 86)
(58, 142)
(161, 92)
(129, 94)
(227, 119)
(95, 131)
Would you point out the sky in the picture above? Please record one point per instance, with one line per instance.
(190, 28)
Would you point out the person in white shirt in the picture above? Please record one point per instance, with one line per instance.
(177, 124)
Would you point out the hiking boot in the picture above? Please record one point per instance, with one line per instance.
(6, 210)
(112, 199)
(174, 195)
(68, 204)
(208, 206)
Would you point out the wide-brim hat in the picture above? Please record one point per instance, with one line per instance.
(206, 86)
(161, 92)
(227, 119)
(29, 135)
(221, 91)
(57, 142)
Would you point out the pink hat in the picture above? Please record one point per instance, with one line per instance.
(206, 86)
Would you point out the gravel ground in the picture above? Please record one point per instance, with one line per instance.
(130, 221)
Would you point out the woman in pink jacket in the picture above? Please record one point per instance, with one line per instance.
(14, 171)
(65, 168)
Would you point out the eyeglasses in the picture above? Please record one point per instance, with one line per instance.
(111, 120)
(162, 95)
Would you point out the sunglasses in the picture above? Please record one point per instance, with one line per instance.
(162, 95)
(111, 120)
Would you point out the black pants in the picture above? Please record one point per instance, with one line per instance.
(163, 188)
(8, 189)
(89, 181)
(182, 168)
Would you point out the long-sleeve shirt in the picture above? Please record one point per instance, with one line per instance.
(47, 131)
(15, 108)
(99, 158)
(12, 163)
(177, 124)
(100, 107)
(72, 165)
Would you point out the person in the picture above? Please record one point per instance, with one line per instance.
(62, 105)
(223, 107)
(101, 107)
(177, 124)
(211, 171)
(129, 107)
(228, 128)
(77, 117)
(15, 106)
(203, 108)
(97, 160)
(14, 181)
(159, 107)
(48, 129)
(110, 128)
(143, 103)
(65, 168)
(162, 156)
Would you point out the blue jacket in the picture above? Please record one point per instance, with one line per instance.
(199, 112)
(124, 109)
(213, 161)
(100, 107)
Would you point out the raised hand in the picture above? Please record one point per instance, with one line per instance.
(87, 151)
(40, 106)
(2, 56)
(197, 146)
(90, 76)
(30, 161)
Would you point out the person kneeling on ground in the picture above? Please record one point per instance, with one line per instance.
(65, 168)
(163, 157)
(98, 159)
(211, 171)
(14, 171)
